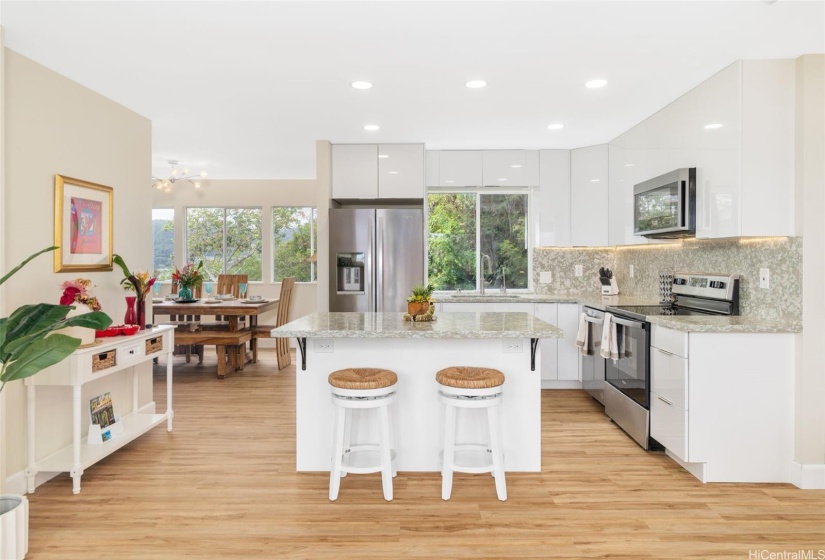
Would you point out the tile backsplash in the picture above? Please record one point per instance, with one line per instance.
(743, 256)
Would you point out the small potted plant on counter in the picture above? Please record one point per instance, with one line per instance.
(418, 303)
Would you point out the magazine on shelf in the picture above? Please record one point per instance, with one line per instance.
(105, 423)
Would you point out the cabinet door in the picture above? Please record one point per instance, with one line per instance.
(401, 172)
(624, 166)
(449, 307)
(431, 167)
(589, 196)
(554, 202)
(512, 307)
(504, 168)
(354, 171)
(568, 351)
(547, 312)
(460, 168)
(669, 425)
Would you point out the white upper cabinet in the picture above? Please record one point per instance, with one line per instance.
(401, 172)
(554, 199)
(432, 167)
(504, 168)
(360, 171)
(589, 196)
(459, 168)
(354, 171)
(737, 130)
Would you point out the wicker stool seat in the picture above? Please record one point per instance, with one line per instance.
(462, 388)
(361, 379)
(358, 390)
(463, 377)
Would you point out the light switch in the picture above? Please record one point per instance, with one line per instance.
(764, 278)
(546, 277)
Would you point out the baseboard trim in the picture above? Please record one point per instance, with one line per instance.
(554, 384)
(808, 476)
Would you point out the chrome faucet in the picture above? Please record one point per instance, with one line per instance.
(503, 280)
(489, 270)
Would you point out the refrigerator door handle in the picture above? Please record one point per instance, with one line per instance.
(370, 286)
(379, 269)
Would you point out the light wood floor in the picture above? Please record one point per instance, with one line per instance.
(223, 485)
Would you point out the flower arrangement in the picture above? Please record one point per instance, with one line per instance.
(77, 291)
(138, 282)
(190, 276)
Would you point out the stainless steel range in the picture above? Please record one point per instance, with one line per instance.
(627, 387)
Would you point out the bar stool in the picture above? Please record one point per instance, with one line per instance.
(471, 387)
(362, 388)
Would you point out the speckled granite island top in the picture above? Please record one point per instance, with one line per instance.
(392, 325)
(723, 324)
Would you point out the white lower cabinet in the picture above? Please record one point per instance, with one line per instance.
(569, 369)
(548, 312)
(722, 403)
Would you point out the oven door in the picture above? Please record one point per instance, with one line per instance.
(630, 374)
(592, 362)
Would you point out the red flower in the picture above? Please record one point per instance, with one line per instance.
(68, 296)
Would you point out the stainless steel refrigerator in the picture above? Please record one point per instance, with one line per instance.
(376, 257)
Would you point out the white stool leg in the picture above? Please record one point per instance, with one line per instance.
(498, 455)
(347, 436)
(338, 450)
(449, 454)
(386, 455)
(390, 412)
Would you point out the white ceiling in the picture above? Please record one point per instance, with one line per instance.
(244, 89)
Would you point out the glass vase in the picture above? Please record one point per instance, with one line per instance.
(185, 293)
(140, 311)
(131, 317)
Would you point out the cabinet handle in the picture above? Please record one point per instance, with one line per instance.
(664, 352)
(664, 400)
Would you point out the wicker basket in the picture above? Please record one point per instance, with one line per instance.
(154, 345)
(104, 360)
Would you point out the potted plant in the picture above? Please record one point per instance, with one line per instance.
(418, 302)
(29, 344)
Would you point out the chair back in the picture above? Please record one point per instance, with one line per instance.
(229, 283)
(285, 300)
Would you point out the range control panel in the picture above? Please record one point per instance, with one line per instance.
(714, 286)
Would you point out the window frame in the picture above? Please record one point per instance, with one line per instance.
(223, 231)
(531, 216)
(313, 246)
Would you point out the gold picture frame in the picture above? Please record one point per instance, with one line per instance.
(83, 214)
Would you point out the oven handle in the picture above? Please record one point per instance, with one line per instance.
(626, 323)
(593, 320)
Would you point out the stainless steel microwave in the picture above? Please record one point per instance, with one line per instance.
(665, 207)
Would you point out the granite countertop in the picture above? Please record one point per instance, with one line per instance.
(392, 325)
(685, 323)
(723, 324)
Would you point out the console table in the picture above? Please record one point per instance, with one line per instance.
(113, 355)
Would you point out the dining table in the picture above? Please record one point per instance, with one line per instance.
(231, 310)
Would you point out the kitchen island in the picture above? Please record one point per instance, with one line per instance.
(415, 352)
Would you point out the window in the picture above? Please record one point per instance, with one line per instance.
(465, 228)
(163, 242)
(227, 240)
(294, 242)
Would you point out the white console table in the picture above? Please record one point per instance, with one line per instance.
(89, 364)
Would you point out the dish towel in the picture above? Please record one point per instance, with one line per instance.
(583, 336)
(610, 339)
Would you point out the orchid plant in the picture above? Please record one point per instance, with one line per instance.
(138, 282)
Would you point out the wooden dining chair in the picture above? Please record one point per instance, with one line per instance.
(264, 331)
(186, 322)
(230, 283)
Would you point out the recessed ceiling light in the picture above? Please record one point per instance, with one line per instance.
(595, 180)
(475, 84)
(593, 84)
(711, 126)
(393, 172)
(449, 181)
(628, 165)
(362, 85)
(383, 156)
(502, 178)
(372, 127)
(556, 126)
(516, 166)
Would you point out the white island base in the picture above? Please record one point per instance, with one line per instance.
(418, 421)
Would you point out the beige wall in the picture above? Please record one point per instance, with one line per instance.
(263, 194)
(55, 126)
(810, 187)
(2, 242)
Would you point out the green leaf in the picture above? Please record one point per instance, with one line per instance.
(118, 260)
(25, 262)
(40, 355)
(3, 322)
(30, 323)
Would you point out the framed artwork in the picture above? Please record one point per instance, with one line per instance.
(82, 225)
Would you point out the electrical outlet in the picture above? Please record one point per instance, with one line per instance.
(512, 345)
(764, 278)
(579, 270)
(630, 272)
(324, 345)
(545, 277)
